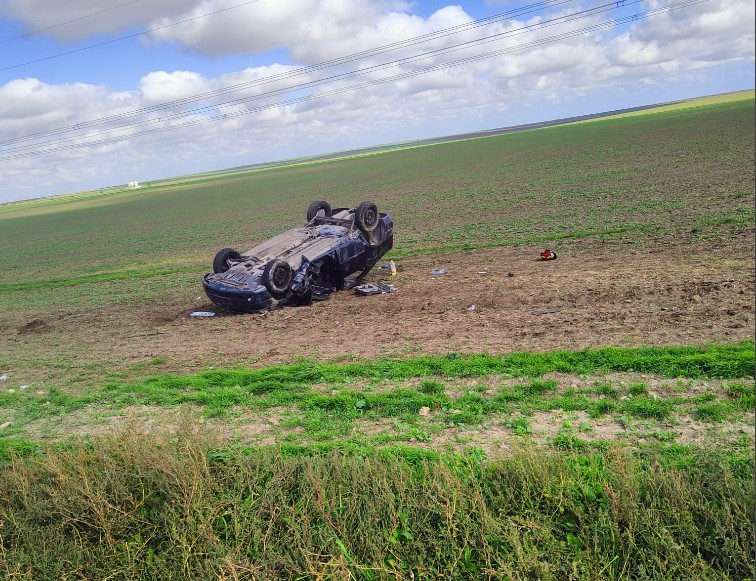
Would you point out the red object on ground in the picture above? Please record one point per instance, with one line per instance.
(548, 255)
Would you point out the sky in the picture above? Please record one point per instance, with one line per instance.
(97, 93)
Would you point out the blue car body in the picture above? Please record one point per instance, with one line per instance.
(333, 251)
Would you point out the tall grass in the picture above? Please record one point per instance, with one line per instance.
(188, 506)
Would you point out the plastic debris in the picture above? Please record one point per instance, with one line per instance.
(374, 289)
(510, 274)
(201, 314)
(3, 377)
(471, 308)
(439, 271)
(392, 264)
(548, 255)
(23, 387)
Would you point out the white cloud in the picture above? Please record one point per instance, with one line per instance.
(719, 30)
(29, 106)
(312, 30)
(160, 86)
(84, 18)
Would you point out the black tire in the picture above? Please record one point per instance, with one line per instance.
(277, 277)
(220, 262)
(366, 216)
(318, 207)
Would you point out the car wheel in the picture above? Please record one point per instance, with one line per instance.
(221, 261)
(277, 277)
(320, 208)
(366, 216)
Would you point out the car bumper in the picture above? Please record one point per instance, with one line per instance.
(245, 300)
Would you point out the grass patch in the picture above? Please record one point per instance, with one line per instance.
(638, 389)
(743, 395)
(711, 412)
(218, 392)
(648, 407)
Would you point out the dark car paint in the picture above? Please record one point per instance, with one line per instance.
(353, 252)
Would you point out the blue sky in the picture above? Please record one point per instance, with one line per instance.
(155, 104)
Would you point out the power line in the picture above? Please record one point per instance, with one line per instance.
(435, 35)
(358, 86)
(400, 76)
(299, 86)
(40, 30)
(112, 40)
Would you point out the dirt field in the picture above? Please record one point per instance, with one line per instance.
(662, 293)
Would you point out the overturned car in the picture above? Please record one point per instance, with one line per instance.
(333, 251)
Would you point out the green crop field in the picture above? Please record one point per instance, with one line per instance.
(616, 178)
(413, 438)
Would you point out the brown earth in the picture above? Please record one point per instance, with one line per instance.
(664, 293)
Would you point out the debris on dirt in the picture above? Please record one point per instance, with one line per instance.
(471, 308)
(439, 271)
(392, 265)
(23, 387)
(5, 425)
(374, 289)
(201, 314)
(510, 274)
(482, 272)
(316, 297)
(548, 255)
(547, 311)
(3, 377)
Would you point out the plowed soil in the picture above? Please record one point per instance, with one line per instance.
(494, 301)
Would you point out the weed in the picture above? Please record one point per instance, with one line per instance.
(743, 394)
(430, 387)
(637, 389)
(538, 387)
(602, 407)
(710, 412)
(519, 424)
(606, 388)
(565, 440)
(648, 407)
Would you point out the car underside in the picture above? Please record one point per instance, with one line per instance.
(335, 250)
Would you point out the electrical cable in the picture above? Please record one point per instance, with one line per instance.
(112, 40)
(38, 31)
(442, 33)
(210, 108)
